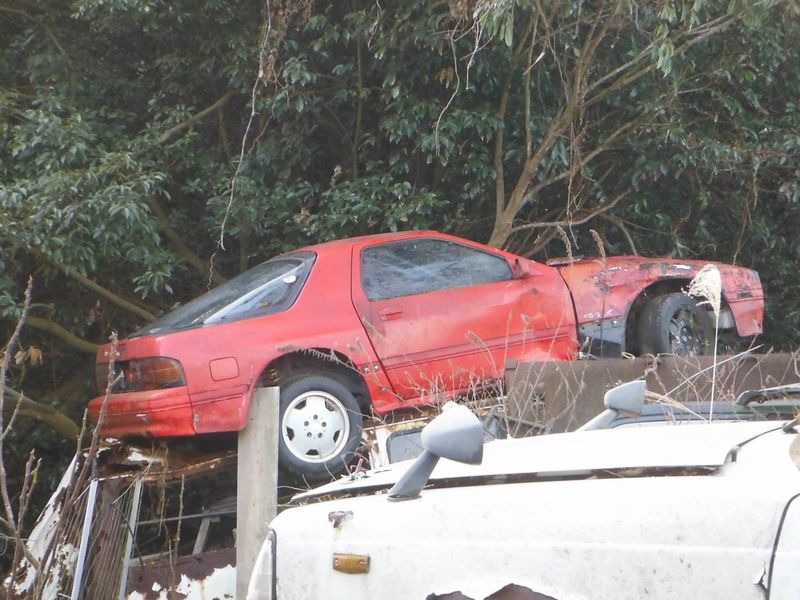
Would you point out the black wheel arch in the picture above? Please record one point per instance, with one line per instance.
(658, 288)
(321, 361)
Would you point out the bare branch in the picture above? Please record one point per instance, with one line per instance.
(73, 79)
(268, 46)
(644, 54)
(180, 246)
(174, 131)
(695, 35)
(28, 483)
(54, 418)
(620, 224)
(579, 219)
(63, 334)
(98, 289)
(91, 453)
(499, 176)
(455, 91)
(8, 351)
(587, 158)
(505, 216)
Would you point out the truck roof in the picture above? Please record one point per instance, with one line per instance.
(707, 445)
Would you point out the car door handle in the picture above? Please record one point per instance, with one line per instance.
(390, 314)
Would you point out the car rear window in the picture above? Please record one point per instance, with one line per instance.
(271, 287)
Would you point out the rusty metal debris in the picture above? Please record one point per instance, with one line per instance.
(512, 591)
(153, 524)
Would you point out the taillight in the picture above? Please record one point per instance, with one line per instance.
(142, 374)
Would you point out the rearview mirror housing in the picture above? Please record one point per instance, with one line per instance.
(456, 434)
(627, 398)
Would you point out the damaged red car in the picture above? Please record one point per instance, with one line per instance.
(369, 325)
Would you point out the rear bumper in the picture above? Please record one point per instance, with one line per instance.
(159, 413)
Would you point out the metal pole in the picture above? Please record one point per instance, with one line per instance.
(83, 550)
(133, 517)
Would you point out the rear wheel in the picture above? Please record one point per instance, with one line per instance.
(675, 324)
(320, 427)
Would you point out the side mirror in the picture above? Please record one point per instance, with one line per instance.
(627, 398)
(524, 269)
(456, 434)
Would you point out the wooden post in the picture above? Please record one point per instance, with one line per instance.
(257, 482)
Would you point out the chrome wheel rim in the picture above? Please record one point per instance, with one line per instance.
(315, 426)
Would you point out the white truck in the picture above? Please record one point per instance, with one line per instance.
(710, 511)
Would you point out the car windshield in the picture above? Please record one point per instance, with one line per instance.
(271, 287)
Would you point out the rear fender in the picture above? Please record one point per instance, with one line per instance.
(366, 379)
(606, 292)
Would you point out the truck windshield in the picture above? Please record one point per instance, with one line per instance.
(271, 287)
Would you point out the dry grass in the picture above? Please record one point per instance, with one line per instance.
(707, 284)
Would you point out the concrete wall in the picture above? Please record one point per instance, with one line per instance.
(562, 395)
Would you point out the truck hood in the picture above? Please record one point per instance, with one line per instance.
(657, 447)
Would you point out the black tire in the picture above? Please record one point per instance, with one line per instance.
(320, 427)
(675, 324)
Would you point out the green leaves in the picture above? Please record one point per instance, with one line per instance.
(384, 117)
(496, 19)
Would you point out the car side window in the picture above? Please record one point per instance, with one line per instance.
(426, 265)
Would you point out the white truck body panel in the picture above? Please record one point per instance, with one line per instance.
(705, 532)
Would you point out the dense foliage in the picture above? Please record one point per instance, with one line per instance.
(668, 127)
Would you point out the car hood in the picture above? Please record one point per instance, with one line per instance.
(562, 454)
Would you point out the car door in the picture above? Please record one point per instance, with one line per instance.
(444, 316)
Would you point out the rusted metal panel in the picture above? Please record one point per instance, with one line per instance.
(157, 464)
(511, 591)
(605, 290)
(560, 396)
(209, 575)
(168, 562)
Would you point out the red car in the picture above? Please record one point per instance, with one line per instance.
(373, 324)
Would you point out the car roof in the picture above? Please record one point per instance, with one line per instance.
(364, 240)
(610, 449)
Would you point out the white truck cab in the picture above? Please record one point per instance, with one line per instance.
(698, 512)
